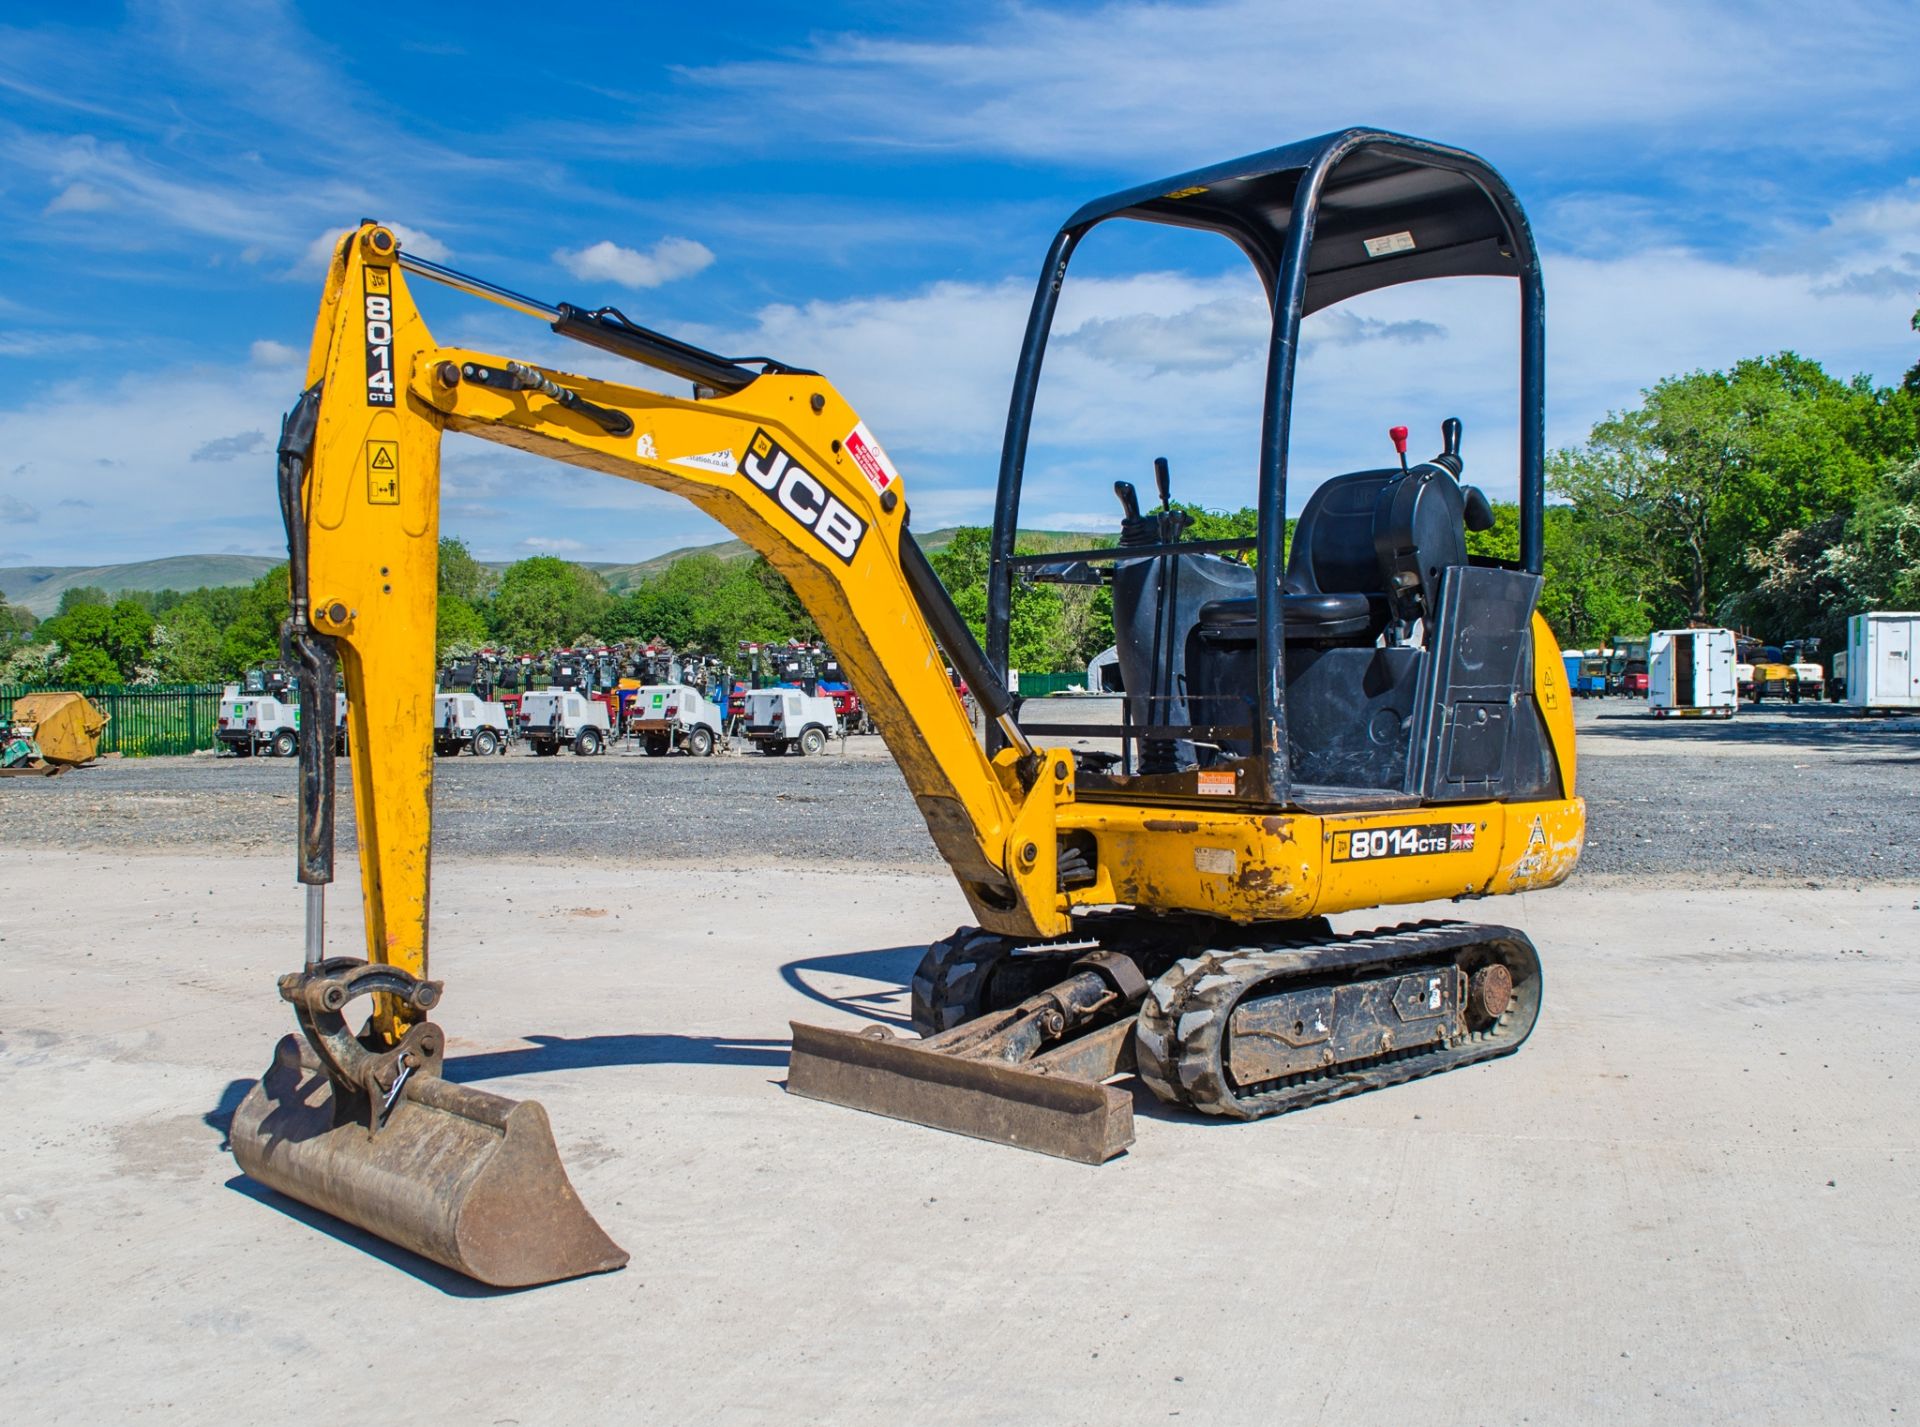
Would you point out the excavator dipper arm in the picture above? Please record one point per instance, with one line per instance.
(784, 462)
(361, 1123)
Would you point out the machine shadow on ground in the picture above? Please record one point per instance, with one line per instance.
(893, 965)
(601, 1052)
(454, 1285)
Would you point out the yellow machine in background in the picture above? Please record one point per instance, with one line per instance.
(1375, 720)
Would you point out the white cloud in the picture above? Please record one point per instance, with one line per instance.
(17, 343)
(1134, 81)
(667, 260)
(230, 448)
(268, 353)
(78, 198)
(552, 545)
(141, 467)
(1173, 364)
(17, 511)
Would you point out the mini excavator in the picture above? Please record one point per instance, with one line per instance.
(1366, 717)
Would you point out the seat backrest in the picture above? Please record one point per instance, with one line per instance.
(1333, 541)
(1419, 532)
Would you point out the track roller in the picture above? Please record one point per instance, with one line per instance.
(1256, 1031)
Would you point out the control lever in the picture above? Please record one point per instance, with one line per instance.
(1398, 435)
(1449, 456)
(1129, 499)
(1163, 482)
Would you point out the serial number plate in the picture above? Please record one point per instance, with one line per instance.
(1415, 840)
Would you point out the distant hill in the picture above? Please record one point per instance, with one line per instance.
(38, 587)
(625, 577)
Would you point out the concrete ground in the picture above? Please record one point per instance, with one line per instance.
(1691, 1198)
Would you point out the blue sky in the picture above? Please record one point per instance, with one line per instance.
(868, 190)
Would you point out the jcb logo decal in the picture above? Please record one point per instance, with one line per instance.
(769, 466)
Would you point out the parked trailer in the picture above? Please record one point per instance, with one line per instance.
(788, 721)
(550, 718)
(666, 717)
(1882, 668)
(1690, 673)
(462, 720)
(260, 715)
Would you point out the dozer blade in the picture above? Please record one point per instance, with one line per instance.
(1077, 1119)
(465, 1178)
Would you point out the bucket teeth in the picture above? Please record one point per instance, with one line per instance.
(465, 1178)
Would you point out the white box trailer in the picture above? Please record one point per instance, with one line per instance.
(781, 720)
(669, 716)
(1690, 673)
(1883, 660)
(553, 718)
(464, 720)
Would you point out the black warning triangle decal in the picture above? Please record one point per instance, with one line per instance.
(383, 459)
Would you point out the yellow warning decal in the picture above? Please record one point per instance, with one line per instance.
(383, 472)
(1185, 192)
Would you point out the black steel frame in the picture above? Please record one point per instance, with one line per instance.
(1271, 780)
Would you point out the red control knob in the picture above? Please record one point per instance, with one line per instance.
(1399, 435)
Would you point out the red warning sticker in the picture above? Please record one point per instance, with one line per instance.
(870, 458)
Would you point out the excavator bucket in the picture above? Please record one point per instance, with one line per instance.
(468, 1179)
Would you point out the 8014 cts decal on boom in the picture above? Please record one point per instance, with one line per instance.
(379, 320)
(1415, 840)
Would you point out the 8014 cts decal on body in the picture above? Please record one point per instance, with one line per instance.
(770, 466)
(1413, 840)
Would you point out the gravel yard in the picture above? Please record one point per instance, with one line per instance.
(1803, 795)
(1690, 1200)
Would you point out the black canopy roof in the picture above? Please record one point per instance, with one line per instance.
(1392, 209)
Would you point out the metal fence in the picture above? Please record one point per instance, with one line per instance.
(143, 719)
(1035, 686)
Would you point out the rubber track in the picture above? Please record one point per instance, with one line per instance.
(951, 985)
(1184, 1020)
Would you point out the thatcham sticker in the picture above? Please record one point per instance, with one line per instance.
(1420, 839)
(801, 495)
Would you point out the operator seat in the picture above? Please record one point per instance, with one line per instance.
(1334, 587)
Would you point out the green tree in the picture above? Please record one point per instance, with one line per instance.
(102, 644)
(16, 622)
(1912, 382)
(250, 637)
(1713, 465)
(32, 663)
(72, 599)
(544, 602)
(459, 628)
(1501, 540)
(462, 576)
(1595, 578)
(186, 648)
(1877, 560)
(1037, 634)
